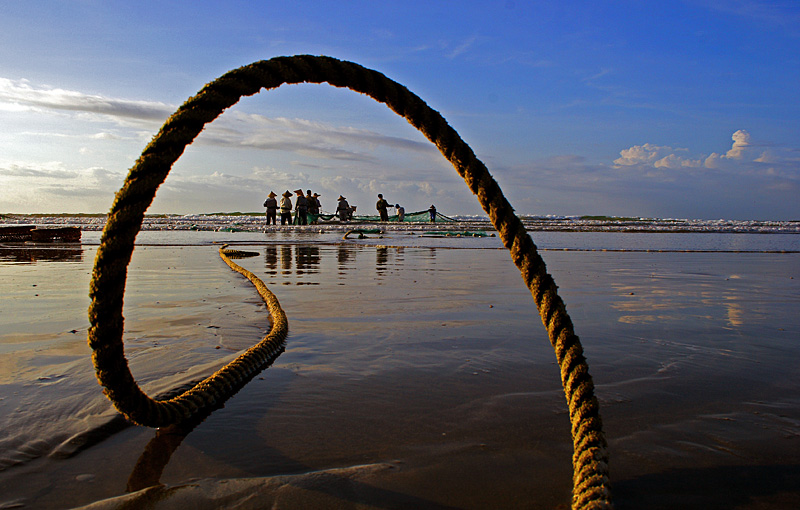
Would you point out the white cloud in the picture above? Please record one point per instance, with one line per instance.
(744, 156)
(105, 136)
(463, 47)
(31, 187)
(19, 94)
(783, 15)
(235, 129)
(53, 170)
(305, 137)
(741, 141)
(673, 161)
(647, 154)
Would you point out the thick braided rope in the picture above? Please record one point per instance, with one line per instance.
(114, 374)
(590, 468)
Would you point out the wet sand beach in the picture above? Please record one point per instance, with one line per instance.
(417, 374)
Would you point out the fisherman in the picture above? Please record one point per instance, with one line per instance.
(301, 208)
(286, 209)
(432, 210)
(272, 206)
(401, 212)
(382, 205)
(343, 209)
(313, 206)
(318, 203)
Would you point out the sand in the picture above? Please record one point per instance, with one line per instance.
(413, 377)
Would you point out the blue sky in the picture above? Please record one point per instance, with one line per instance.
(680, 109)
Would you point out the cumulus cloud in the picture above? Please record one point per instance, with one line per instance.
(655, 156)
(741, 141)
(744, 156)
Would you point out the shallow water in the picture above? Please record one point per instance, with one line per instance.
(422, 357)
(420, 237)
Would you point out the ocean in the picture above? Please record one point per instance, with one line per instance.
(417, 373)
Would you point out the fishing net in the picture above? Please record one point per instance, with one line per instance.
(414, 217)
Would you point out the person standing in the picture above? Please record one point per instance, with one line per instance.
(401, 212)
(272, 206)
(313, 210)
(432, 210)
(382, 205)
(301, 207)
(312, 203)
(286, 209)
(343, 209)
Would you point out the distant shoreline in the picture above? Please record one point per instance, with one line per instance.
(584, 217)
(254, 222)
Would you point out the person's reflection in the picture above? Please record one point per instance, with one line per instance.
(286, 261)
(271, 260)
(381, 259)
(307, 263)
(342, 259)
(343, 256)
(307, 259)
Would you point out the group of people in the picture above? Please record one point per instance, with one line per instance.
(383, 210)
(310, 204)
(304, 205)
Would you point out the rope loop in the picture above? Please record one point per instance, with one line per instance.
(107, 288)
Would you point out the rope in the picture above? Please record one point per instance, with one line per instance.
(237, 254)
(361, 232)
(590, 467)
(113, 372)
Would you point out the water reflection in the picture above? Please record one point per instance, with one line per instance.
(286, 259)
(151, 463)
(296, 264)
(155, 457)
(343, 257)
(344, 487)
(300, 260)
(307, 259)
(381, 259)
(31, 254)
(271, 260)
(736, 311)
